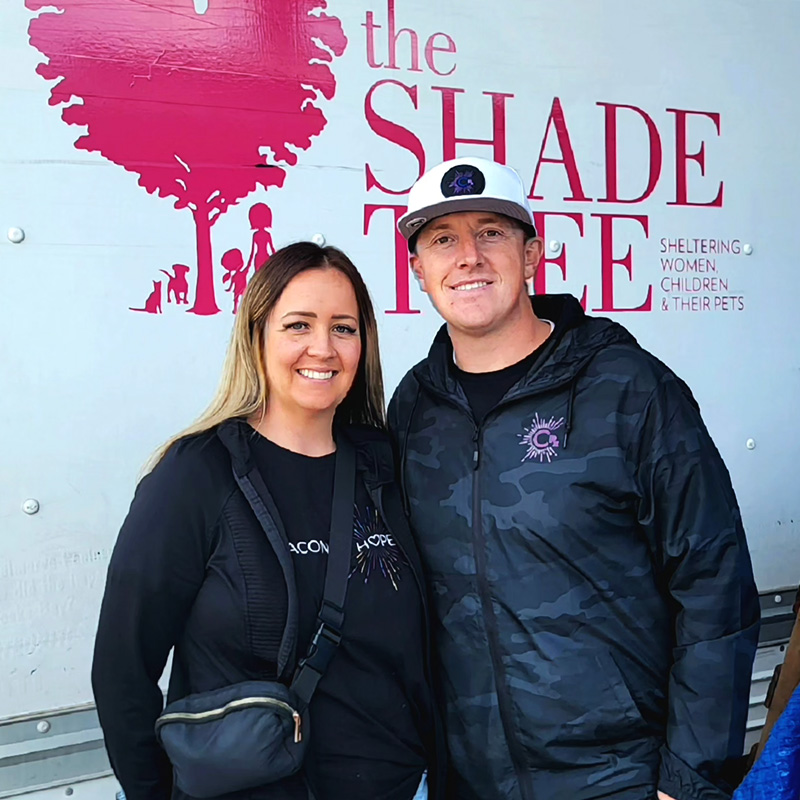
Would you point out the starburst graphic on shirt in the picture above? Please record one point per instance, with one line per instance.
(540, 440)
(376, 550)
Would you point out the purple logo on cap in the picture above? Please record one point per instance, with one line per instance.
(463, 183)
(462, 180)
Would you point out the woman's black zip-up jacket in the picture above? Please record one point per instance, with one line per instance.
(189, 520)
(595, 610)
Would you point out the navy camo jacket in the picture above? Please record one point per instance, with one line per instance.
(596, 614)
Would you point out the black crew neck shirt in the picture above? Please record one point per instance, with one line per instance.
(369, 715)
(484, 390)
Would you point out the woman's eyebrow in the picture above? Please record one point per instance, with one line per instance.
(312, 315)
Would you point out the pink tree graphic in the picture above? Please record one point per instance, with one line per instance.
(192, 95)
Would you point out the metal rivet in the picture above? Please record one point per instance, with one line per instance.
(778, 599)
(554, 245)
(318, 239)
(43, 726)
(15, 235)
(69, 791)
(748, 249)
(30, 506)
(751, 444)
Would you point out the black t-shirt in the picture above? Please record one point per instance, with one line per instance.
(484, 390)
(369, 718)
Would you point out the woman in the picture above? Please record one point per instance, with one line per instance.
(192, 568)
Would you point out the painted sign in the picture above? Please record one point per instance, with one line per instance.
(155, 154)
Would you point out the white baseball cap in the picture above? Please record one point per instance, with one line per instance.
(465, 184)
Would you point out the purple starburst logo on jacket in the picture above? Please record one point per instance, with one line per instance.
(540, 439)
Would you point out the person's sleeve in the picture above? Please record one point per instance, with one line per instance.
(400, 411)
(393, 415)
(156, 569)
(692, 519)
(776, 774)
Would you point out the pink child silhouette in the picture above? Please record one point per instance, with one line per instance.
(262, 248)
(235, 274)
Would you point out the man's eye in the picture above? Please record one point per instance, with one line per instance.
(443, 239)
(492, 233)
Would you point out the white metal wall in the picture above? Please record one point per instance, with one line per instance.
(89, 387)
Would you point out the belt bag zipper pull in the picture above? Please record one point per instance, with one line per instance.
(298, 734)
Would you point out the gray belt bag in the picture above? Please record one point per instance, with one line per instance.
(254, 733)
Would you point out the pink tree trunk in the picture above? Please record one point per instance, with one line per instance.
(205, 302)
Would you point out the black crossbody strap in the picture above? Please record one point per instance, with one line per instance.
(340, 544)
(254, 490)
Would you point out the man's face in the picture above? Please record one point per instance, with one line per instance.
(473, 265)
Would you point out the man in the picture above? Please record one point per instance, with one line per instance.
(596, 615)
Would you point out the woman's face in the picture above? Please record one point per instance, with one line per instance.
(312, 344)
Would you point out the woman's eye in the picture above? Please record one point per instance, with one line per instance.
(347, 329)
(296, 326)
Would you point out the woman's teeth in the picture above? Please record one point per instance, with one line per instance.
(316, 376)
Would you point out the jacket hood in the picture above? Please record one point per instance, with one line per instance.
(375, 454)
(579, 338)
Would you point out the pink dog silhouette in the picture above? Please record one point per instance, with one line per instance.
(178, 286)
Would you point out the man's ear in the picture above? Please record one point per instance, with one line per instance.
(416, 268)
(534, 249)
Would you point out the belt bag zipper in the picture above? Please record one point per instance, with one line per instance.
(235, 705)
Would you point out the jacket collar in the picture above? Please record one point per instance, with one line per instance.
(578, 338)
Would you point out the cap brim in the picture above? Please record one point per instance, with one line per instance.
(415, 221)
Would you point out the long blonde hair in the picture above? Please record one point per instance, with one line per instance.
(243, 390)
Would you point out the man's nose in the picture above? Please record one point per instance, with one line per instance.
(468, 254)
